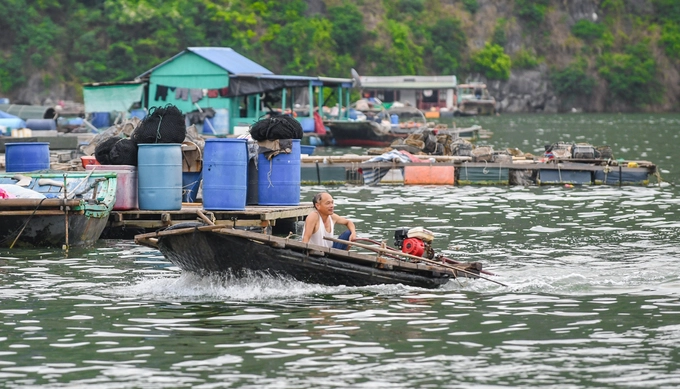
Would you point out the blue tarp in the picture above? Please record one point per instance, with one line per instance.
(5, 115)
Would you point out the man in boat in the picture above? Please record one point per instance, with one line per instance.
(321, 221)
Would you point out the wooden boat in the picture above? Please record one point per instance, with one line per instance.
(474, 99)
(74, 212)
(377, 130)
(210, 249)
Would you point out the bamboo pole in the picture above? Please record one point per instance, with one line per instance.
(383, 250)
(438, 256)
(44, 203)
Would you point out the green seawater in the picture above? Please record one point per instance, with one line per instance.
(593, 295)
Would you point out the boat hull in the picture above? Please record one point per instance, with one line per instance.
(50, 231)
(53, 221)
(361, 134)
(206, 252)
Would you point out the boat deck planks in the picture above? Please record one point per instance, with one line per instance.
(251, 216)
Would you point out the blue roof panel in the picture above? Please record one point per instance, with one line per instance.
(230, 60)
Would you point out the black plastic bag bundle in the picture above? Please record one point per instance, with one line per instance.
(161, 125)
(276, 127)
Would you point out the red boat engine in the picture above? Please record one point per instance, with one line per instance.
(415, 241)
(413, 246)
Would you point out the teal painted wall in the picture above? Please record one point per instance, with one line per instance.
(193, 72)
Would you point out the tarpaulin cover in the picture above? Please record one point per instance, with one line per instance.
(242, 86)
(108, 98)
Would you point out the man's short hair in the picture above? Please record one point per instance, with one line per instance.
(317, 198)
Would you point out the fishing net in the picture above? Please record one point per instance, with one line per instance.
(124, 152)
(116, 151)
(103, 149)
(276, 127)
(161, 125)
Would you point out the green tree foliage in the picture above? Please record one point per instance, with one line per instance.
(348, 27)
(499, 38)
(668, 12)
(401, 55)
(670, 39)
(305, 46)
(573, 80)
(471, 5)
(411, 6)
(532, 11)
(525, 59)
(492, 62)
(75, 41)
(631, 75)
(448, 45)
(587, 30)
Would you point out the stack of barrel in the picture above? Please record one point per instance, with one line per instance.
(229, 167)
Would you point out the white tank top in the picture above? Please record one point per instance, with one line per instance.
(318, 237)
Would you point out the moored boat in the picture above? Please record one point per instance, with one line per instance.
(214, 249)
(474, 99)
(66, 208)
(378, 128)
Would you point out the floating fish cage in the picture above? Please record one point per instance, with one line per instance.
(615, 176)
(560, 176)
(483, 175)
(317, 175)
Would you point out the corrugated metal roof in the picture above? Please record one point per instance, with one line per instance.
(224, 57)
(408, 82)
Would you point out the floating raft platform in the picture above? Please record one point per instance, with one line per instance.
(265, 217)
(457, 170)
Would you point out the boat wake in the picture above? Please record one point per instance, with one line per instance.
(252, 287)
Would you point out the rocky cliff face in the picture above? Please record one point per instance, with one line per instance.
(531, 90)
(525, 91)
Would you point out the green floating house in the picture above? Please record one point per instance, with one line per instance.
(218, 78)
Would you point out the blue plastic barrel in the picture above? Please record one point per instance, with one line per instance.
(41, 124)
(101, 119)
(225, 172)
(394, 119)
(307, 149)
(190, 183)
(307, 124)
(159, 170)
(218, 124)
(138, 113)
(27, 156)
(279, 178)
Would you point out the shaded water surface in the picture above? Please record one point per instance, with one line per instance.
(592, 297)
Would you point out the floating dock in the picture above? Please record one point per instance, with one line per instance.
(457, 170)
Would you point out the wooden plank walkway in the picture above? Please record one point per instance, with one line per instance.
(252, 216)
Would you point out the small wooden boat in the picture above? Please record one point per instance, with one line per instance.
(209, 249)
(73, 212)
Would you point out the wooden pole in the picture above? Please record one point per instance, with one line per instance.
(202, 216)
(65, 215)
(388, 251)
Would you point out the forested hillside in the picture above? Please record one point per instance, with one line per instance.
(596, 55)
